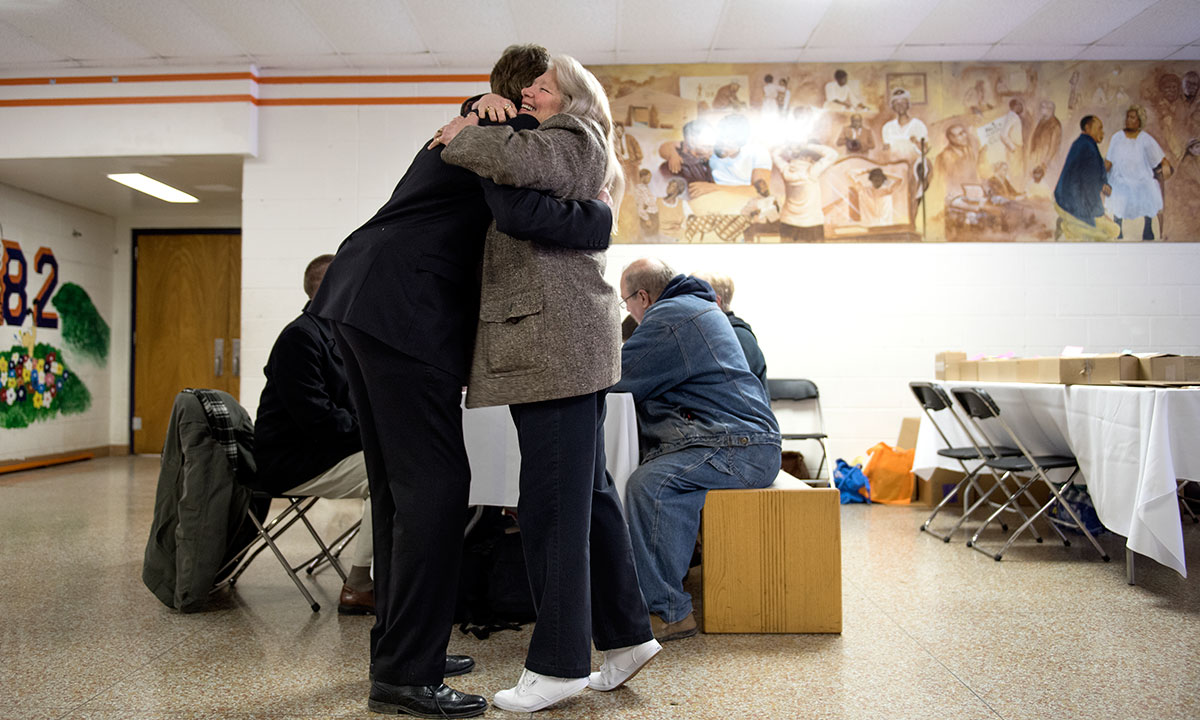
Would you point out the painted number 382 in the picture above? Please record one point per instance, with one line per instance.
(16, 305)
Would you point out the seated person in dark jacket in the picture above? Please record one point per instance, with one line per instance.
(306, 435)
(722, 285)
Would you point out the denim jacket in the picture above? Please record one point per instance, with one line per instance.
(689, 378)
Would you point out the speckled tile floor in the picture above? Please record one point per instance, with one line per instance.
(930, 630)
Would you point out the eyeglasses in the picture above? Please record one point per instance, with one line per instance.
(625, 300)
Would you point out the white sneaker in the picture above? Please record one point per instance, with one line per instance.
(536, 692)
(622, 664)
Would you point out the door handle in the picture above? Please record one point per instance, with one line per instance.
(237, 357)
(218, 356)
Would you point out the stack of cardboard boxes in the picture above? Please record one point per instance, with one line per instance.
(1147, 368)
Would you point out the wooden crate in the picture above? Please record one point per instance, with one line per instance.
(772, 561)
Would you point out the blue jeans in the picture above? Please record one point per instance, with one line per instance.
(665, 496)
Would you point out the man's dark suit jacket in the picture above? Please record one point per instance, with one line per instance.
(306, 421)
(409, 277)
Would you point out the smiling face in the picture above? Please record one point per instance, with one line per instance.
(542, 98)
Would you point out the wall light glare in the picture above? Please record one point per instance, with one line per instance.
(150, 186)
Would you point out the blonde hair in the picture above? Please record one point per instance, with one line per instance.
(583, 96)
(722, 285)
(1141, 115)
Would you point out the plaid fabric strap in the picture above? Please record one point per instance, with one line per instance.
(219, 422)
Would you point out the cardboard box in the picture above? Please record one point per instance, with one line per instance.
(1191, 367)
(1038, 370)
(908, 433)
(772, 561)
(1161, 366)
(942, 481)
(1003, 370)
(943, 360)
(1097, 369)
(964, 370)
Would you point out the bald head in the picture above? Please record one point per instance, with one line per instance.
(642, 283)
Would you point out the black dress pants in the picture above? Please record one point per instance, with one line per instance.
(410, 417)
(575, 539)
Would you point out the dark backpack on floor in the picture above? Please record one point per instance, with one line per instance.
(493, 587)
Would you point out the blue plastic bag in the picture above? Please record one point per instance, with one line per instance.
(853, 484)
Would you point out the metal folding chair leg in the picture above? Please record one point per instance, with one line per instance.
(1011, 504)
(336, 547)
(270, 541)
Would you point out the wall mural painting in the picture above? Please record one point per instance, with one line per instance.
(36, 381)
(908, 152)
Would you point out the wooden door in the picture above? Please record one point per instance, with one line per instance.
(187, 322)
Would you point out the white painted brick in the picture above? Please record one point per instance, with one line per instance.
(1116, 270)
(1118, 333)
(1087, 301)
(1148, 300)
(1181, 331)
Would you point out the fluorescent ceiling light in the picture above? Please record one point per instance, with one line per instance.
(150, 186)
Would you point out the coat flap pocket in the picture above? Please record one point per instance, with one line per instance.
(511, 307)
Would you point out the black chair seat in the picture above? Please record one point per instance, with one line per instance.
(804, 436)
(969, 453)
(1020, 464)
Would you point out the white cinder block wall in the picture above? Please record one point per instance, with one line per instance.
(861, 320)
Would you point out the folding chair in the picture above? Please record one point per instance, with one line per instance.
(1184, 501)
(788, 395)
(296, 510)
(979, 405)
(934, 399)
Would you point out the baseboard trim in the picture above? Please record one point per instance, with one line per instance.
(70, 456)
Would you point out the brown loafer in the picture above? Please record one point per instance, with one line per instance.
(354, 602)
(664, 631)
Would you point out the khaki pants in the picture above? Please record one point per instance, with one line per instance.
(347, 479)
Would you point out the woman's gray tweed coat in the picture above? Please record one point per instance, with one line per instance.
(549, 325)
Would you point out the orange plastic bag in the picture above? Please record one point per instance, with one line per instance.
(890, 473)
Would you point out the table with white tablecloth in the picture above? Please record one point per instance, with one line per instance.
(495, 457)
(1132, 445)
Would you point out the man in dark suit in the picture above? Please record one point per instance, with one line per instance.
(307, 441)
(403, 295)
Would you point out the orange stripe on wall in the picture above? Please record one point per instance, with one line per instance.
(145, 100)
(99, 79)
(336, 79)
(269, 102)
(276, 80)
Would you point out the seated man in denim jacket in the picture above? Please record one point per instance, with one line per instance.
(705, 423)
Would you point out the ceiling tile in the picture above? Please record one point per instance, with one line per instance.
(847, 54)
(370, 61)
(755, 55)
(1075, 22)
(169, 28)
(1127, 52)
(74, 31)
(364, 26)
(571, 27)
(972, 23)
(475, 26)
(16, 48)
(1190, 52)
(662, 57)
(266, 27)
(1033, 52)
(940, 53)
(870, 23)
(748, 24)
(660, 27)
(299, 61)
(1168, 22)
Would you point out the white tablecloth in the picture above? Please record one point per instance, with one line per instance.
(1132, 444)
(496, 460)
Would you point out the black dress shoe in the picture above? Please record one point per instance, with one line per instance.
(427, 701)
(459, 665)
